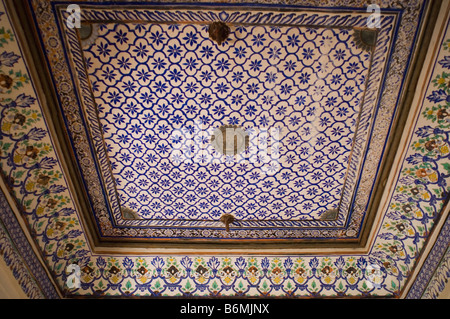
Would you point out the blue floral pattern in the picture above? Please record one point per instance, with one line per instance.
(152, 80)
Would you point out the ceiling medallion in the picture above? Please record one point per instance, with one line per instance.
(88, 33)
(218, 32)
(230, 140)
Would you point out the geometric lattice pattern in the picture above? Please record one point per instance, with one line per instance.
(167, 87)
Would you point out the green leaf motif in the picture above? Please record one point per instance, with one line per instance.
(393, 285)
(364, 285)
(265, 286)
(446, 166)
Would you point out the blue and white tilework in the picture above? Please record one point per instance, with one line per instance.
(151, 80)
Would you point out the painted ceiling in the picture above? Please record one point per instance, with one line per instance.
(162, 91)
(304, 87)
(161, 149)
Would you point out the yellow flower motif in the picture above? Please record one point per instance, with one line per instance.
(441, 81)
(18, 158)
(40, 210)
(433, 177)
(172, 279)
(115, 279)
(29, 186)
(253, 279)
(6, 127)
(34, 116)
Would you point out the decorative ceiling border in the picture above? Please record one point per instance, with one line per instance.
(436, 269)
(439, 280)
(352, 231)
(414, 206)
(20, 257)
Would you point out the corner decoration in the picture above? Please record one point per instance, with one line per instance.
(365, 38)
(31, 168)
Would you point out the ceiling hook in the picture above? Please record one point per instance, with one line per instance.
(227, 219)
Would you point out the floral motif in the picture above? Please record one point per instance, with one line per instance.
(131, 185)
